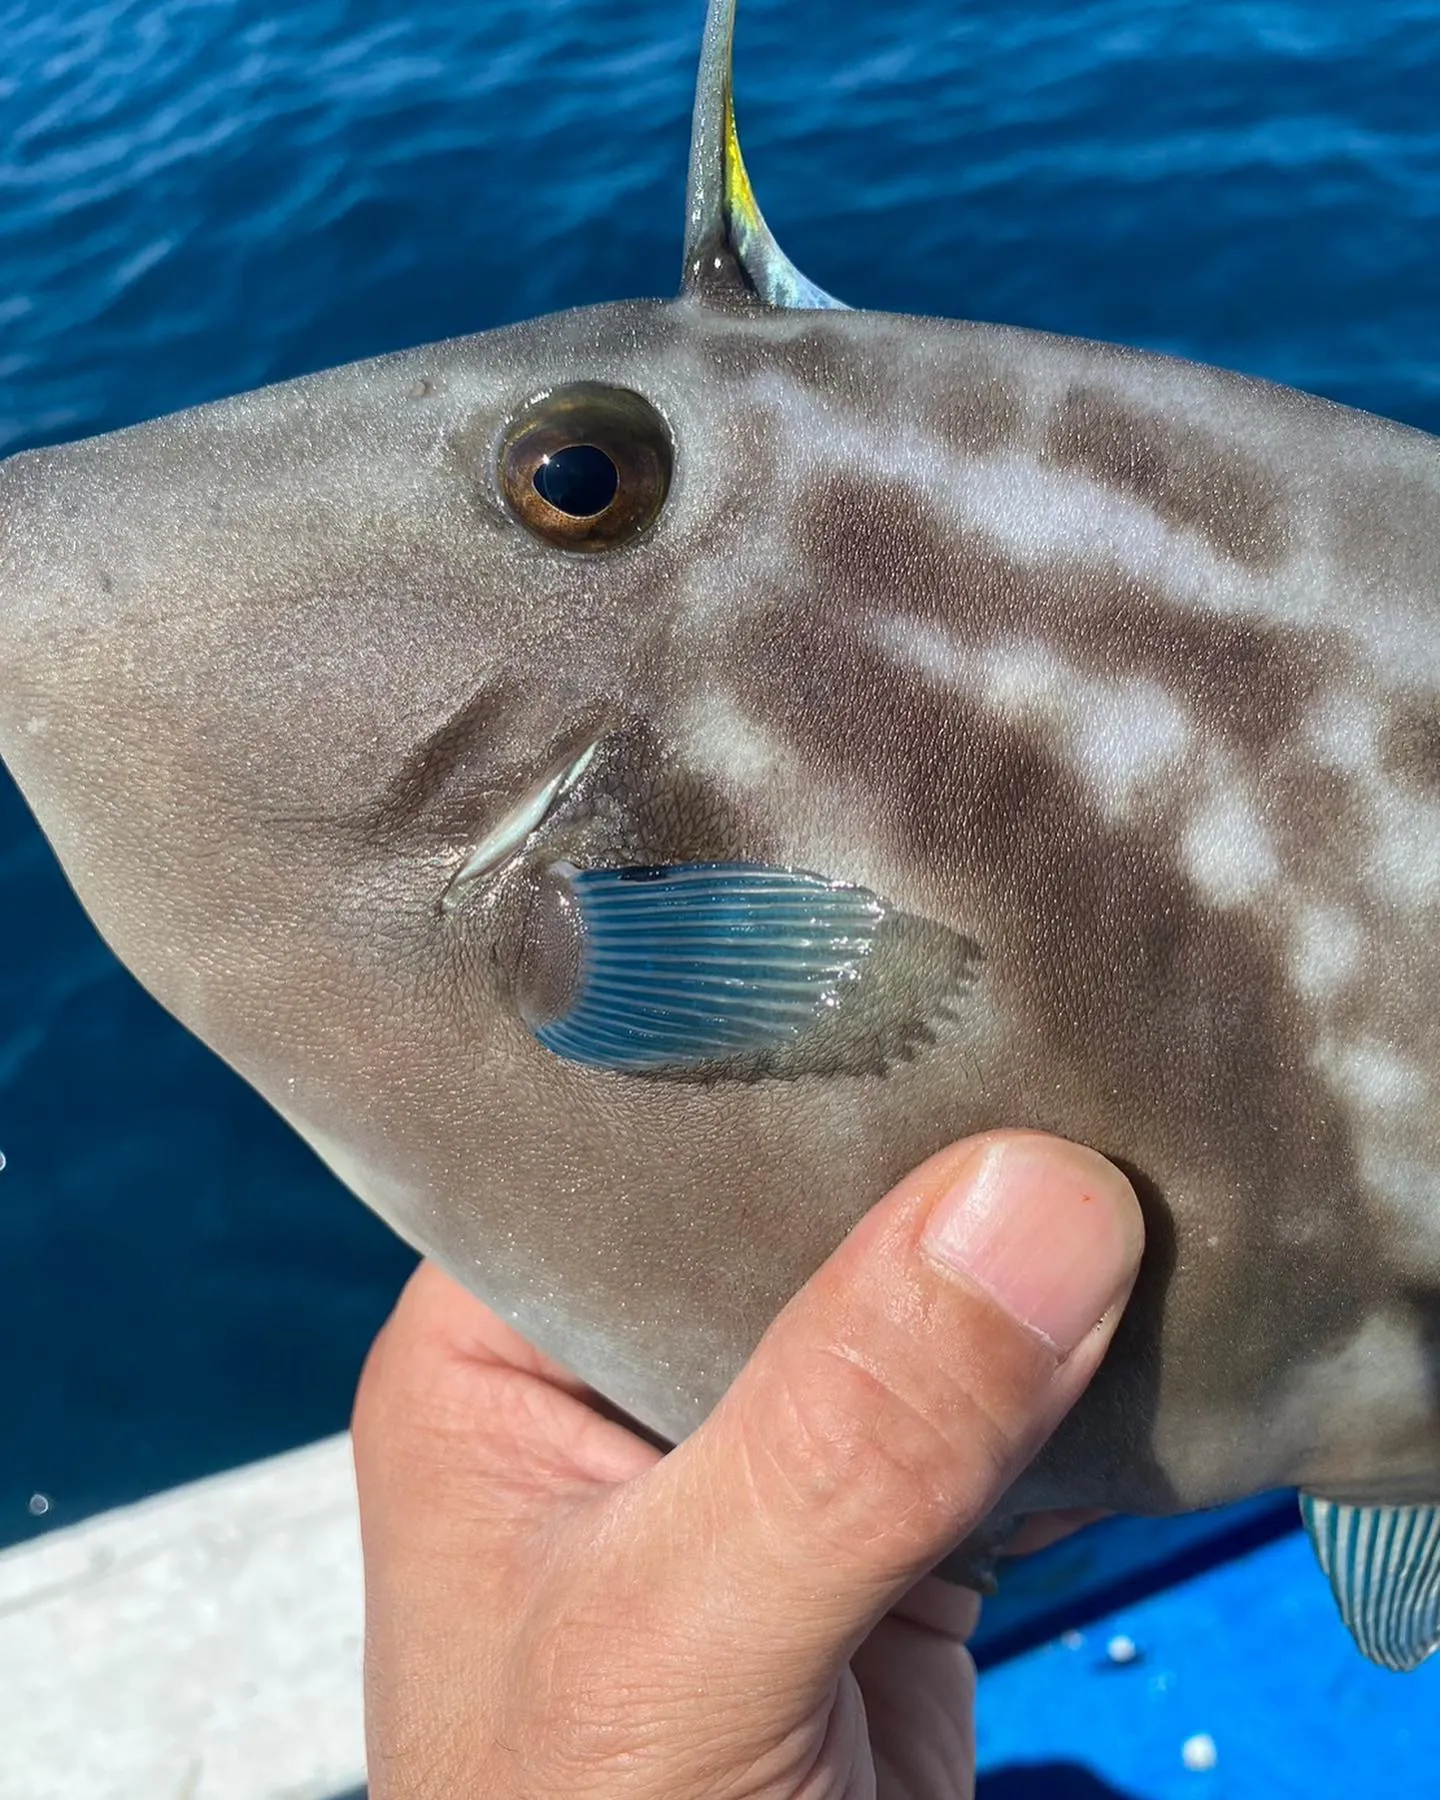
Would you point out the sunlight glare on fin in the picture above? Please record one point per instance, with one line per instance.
(648, 968)
(1383, 1563)
(728, 245)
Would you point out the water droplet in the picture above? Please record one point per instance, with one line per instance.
(2, 1159)
(1199, 1753)
(1072, 1640)
(38, 1505)
(1121, 1649)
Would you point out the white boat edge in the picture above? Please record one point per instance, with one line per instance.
(204, 1644)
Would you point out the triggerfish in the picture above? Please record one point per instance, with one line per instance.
(628, 786)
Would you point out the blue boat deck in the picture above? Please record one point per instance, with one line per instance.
(1191, 1659)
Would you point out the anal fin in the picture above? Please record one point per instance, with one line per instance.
(1383, 1563)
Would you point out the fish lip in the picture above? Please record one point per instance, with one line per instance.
(508, 837)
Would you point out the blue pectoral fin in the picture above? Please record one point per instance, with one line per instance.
(1384, 1568)
(654, 968)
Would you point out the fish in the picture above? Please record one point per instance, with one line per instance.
(629, 785)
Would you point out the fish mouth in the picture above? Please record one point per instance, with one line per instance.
(515, 828)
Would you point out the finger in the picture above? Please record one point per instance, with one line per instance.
(462, 1430)
(941, 1606)
(471, 1451)
(892, 1402)
(1041, 1530)
(918, 1686)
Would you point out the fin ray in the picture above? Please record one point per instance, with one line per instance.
(701, 962)
(1383, 1565)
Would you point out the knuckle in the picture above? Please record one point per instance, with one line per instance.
(853, 1460)
(846, 1446)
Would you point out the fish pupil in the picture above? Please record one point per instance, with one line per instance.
(580, 480)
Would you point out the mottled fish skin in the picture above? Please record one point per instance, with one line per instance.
(1124, 670)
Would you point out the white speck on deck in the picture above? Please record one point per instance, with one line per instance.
(1198, 1753)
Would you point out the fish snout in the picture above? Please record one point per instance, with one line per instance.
(17, 474)
(71, 732)
(12, 480)
(82, 731)
(34, 598)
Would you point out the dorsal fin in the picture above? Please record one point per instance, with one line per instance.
(729, 251)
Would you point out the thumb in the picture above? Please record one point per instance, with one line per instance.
(892, 1402)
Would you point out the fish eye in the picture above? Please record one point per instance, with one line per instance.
(587, 467)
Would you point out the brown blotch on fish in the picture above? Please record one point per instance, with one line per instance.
(1380, 525)
(1111, 962)
(980, 410)
(1190, 478)
(1246, 682)
(1410, 743)
(443, 772)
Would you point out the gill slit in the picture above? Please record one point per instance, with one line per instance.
(509, 834)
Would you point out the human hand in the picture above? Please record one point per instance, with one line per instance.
(555, 1609)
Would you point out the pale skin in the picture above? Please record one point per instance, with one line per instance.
(553, 1608)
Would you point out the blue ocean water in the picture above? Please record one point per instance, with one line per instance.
(200, 195)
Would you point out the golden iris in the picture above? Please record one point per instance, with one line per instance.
(587, 467)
